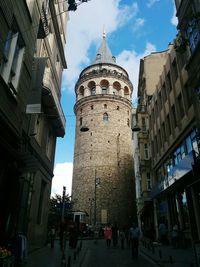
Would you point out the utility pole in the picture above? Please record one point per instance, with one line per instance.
(63, 204)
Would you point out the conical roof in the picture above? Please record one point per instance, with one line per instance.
(104, 54)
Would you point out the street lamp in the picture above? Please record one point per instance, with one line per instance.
(97, 182)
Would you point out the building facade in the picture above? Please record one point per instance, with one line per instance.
(151, 67)
(173, 139)
(103, 182)
(31, 117)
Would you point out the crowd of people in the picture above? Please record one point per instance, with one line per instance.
(123, 236)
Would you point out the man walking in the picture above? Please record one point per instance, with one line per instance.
(134, 234)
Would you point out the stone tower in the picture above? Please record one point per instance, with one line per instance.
(103, 183)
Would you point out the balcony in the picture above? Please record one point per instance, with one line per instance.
(52, 106)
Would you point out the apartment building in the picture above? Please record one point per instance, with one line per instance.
(189, 46)
(31, 117)
(173, 139)
(150, 70)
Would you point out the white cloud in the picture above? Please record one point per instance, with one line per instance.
(130, 61)
(62, 177)
(174, 20)
(138, 24)
(85, 28)
(150, 3)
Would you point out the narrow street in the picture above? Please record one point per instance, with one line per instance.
(98, 255)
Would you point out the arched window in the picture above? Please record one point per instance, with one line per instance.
(92, 87)
(93, 91)
(81, 121)
(105, 117)
(116, 88)
(104, 86)
(126, 90)
(81, 91)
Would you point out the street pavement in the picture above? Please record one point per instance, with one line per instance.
(90, 253)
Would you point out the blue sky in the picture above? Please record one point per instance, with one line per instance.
(134, 29)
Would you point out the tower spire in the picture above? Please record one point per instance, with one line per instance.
(104, 54)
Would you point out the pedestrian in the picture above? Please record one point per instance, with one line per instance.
(52, 236)
(163, 233)
(122, 237)
(174, 236)
(108, 234)
(134, 235)
(115, 233)
(73, 236)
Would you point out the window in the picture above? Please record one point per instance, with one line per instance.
(180, 105)
(175, 70)
(188, 92)
(160, 138)
(128, 122)
(169, 83)
(193, 34)
(105, 106)
(169, 125)
(93, 91)
(163, 130)
(92, 107)
(174, 116)
(160, 100)
(144, 125)
(49, 144)
(81, 121)
(164, 92)
(146, 151)
(12, 58)
(105, 117)
(104, 90)
(40, 206)
(148, 181)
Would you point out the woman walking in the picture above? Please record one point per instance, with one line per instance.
(108, 234)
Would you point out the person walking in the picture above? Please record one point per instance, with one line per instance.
(108, 234)
(134, 235)
(115, 233)
(174, 236)
(52, 236)
(122, 237)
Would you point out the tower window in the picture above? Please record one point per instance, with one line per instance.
(105, 117)
(105, 106)
(92, 107)
(128, 122)
(104, 91)
(93, 91)
(117, 107)
(81, 121)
